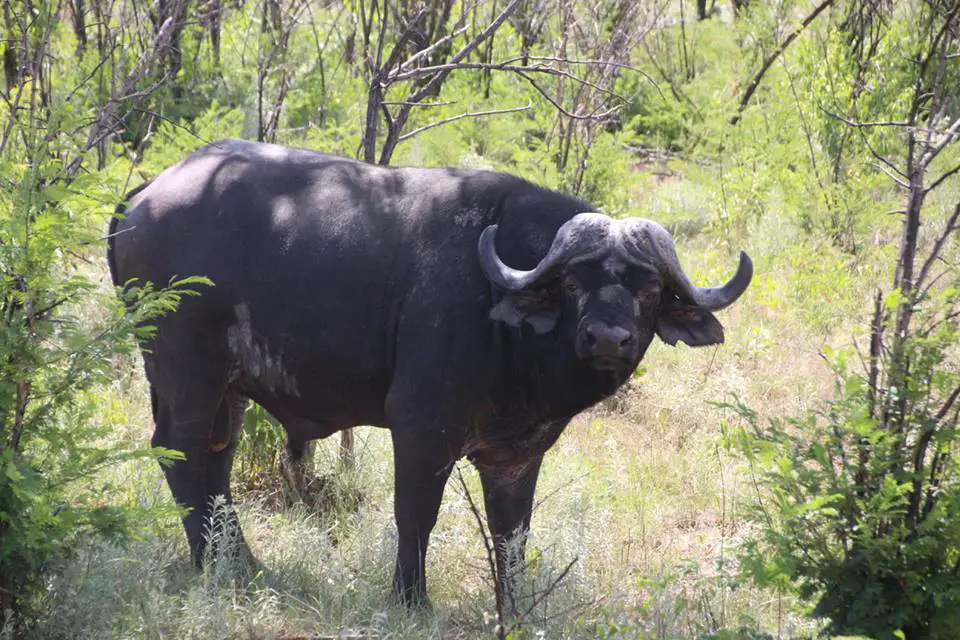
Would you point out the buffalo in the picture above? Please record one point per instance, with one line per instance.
(471, 313)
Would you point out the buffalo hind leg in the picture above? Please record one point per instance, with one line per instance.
(420, 474)
(508, 500)
(296, 467)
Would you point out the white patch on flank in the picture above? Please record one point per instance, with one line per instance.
(254, 360)
(284, 209)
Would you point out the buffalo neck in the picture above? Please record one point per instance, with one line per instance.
(544, 379)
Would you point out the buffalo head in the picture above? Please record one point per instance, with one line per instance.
(608, 286)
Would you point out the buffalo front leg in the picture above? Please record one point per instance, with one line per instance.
(508, 500)
(421, 470)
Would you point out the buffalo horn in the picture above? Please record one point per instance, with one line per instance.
(646, 242)
(584, 236)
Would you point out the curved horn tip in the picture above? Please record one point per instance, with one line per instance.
(486, 233)
(719, 298)
(493, 268)
(739, 283)
(584, 234)
(746, 264)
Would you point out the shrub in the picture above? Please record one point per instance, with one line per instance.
(858, 505)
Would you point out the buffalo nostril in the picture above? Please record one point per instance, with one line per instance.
(604, 339)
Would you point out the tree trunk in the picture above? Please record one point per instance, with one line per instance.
(11, 62)
(176, 9)
(214, 26)
(77, 10)
(7, 601)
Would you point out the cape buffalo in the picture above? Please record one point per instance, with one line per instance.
(470, 312)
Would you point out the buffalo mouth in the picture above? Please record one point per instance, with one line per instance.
(609, 363)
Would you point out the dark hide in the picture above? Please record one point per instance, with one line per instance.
(349, 294)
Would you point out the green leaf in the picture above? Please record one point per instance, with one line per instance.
(893, 299)
(12, 472)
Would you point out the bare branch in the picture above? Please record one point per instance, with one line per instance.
(101, 129)
(461, 116)
(678, 94)
(498, 66)
(876, 344)
(806, 131)
(173, 123)
(595, 115)
(23, 399)
(935, 44)
(433, 47)
(543, 595)
(398, 48)
(599, 63)
(933, 151)
(93, 72)
(755, 83)
(936, 183)
(430, 86)
(419, 104)
(891, 176)
(386, 75)
(938, 245)
(491, 554)
(117, 233)
(947, 318)
(866, 125)
(933, 281)
(945, 409)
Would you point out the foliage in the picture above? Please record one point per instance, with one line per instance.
(259, 452)
(858, 506)
(843, 525)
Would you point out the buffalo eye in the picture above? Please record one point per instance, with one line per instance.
(571, 287)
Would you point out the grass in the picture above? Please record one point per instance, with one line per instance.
(638, 494)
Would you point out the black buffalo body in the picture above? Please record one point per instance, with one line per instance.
(470, 312)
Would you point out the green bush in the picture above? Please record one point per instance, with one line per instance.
(859, 517)
(857, 505)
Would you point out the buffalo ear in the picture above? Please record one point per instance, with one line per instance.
(536, 309)
(691, 324)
